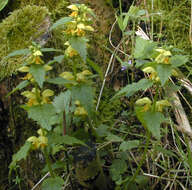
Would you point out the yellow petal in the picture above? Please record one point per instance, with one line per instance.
(149, 70)
(81, 26)
(43, 141)
(89, 28)
(143, 101)
(47, 93)
(86, 72)
(40, 132)
(28, 94)
(73, 7)
(47, 68)
(80, 77)
(77, 103)
(67, 76)
(37, 53)
(161, 104)
(24, 69)
(80, 111)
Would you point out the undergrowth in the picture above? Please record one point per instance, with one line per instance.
(133, 134)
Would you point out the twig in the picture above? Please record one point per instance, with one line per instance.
(46, 175)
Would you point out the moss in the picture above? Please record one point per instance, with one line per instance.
(108, 109)
(17, 32)
(57, 8)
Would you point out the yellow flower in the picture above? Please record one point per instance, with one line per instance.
(80, 77)
(86, 72)
(161, 104)
(70, 52)
(74, 14)
(143, 101)
(73, 7)
(45, 96)
(67, 76)
(31, 96)
(80, 32)
(77, 103)
(24, 69)
(163, 57)
(37, 53)
(47, 68)
(35, 142)
(80, 111)
(43, 141)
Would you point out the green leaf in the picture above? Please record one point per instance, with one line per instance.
(128, 145)
(151, 120)
(118, 167)
(96, 68)
(164, 72)
(62, 102)
(3, 3)
(50, 50)
(68, 140)
(21, 154)
(18, 52)
(38, 73)
(144, 48)
(43, 115)
(102, 130)
(61, 21)
(20, 86)
(80, 45)
(53, 183)
(130, 89)
(142, 180)
(114, 138)
(84, 93)
(178, 60)
(59, 81)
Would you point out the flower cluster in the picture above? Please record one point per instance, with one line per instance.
(39, 142)
(78, 26)
(34, 58)
(35, 96)
(80, 22)
(163, 57)
(80, 77)
(146, 104)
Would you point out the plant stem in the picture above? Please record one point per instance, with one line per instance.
(48, 162)
(68, 172)
(141, 162)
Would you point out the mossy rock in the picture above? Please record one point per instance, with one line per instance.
(17, 32)
(57, 8)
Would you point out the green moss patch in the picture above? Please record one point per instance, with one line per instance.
(17, 32)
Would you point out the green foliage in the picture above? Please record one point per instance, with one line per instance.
(164, 72)
(53, 183)
(21, 154)
(61, 22)
(128, 145)
(62, 102)
(144, 49)
(67, 140)
(79, 44)
(43, 114)
(130, 89)
(20, 86)
(151, 121)
(117, 168)
(85, 94)
(3, 3)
